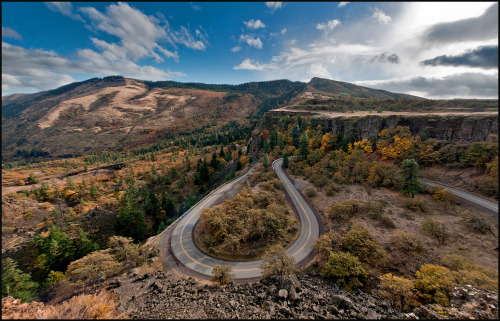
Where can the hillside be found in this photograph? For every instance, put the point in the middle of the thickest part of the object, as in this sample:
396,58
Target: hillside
114,113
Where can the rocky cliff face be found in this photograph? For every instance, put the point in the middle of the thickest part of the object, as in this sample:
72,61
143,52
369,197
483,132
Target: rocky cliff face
469,127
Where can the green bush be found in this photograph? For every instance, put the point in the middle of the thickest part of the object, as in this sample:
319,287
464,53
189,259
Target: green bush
277,263
310,192
359,242
346,269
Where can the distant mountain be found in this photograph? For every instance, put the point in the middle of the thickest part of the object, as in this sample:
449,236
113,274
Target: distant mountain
113,113
320,85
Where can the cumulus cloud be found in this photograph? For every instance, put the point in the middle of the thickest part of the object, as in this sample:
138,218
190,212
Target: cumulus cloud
342,4
236,49
485,57
254,24
484,27
252,41
36,69
329,25
66,8
141,36
381,17
464,85
249,64
274,5
11,33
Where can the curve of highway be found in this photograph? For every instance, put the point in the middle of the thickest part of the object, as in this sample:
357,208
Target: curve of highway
481,201
190,256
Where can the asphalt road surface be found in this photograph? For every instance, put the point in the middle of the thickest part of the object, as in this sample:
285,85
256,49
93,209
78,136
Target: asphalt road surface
481,201
189,255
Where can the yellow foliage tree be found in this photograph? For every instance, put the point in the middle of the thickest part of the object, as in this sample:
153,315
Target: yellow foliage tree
398,290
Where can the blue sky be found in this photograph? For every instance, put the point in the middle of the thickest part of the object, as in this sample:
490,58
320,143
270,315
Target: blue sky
429,49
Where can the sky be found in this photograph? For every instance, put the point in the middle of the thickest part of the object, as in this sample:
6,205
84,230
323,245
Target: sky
436,50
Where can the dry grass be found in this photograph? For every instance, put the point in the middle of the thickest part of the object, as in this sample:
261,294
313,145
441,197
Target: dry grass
103,305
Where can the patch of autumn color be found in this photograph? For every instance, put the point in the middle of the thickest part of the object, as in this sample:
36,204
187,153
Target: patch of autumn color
327,141
264,134
397,148
365,145
244,160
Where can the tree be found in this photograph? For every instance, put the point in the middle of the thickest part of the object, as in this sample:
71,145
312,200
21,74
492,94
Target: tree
285,160
304,145
277,263
16,283
265,161
409,174
222,274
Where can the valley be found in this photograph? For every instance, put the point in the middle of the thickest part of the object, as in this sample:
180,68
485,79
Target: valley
128,177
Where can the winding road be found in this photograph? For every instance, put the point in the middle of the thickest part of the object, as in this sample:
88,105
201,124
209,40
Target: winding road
481,201
189,255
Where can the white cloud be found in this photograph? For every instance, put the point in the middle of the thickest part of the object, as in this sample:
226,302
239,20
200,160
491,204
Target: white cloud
251,41
254,24
37,69
283,31
66,8
140,35
194,6
329,25
248,64
318,70
274,5
11,33
342,4
236,49
381,17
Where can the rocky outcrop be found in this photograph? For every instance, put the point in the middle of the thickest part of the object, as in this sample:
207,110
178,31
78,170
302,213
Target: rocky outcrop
162,295
470,127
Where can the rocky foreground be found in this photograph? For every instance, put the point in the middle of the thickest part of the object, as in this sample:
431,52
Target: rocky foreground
160,295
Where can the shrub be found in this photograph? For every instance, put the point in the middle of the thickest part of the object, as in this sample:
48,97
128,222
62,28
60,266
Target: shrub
332,188
343,211
222,274
445,196
88,306
407,242
346,269
310,192
466,272
327,243
359,242
399,291
277,263
55,277
434,283
21,183
416,205
436,230
95,266
124,250
387,222
477,224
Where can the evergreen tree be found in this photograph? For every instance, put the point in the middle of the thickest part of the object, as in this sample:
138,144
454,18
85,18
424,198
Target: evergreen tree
409,173
304,146
265,161
16,283
295,135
